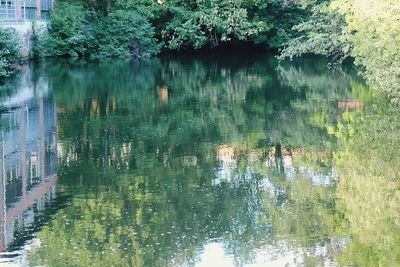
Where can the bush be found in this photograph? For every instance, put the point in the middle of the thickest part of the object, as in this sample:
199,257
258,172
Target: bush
125,34
70,32
9,52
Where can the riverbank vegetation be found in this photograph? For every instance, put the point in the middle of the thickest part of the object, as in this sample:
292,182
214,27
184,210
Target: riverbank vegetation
177,25
179,152
9,52
367,31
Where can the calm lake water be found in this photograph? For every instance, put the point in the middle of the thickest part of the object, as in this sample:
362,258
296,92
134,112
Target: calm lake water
193,161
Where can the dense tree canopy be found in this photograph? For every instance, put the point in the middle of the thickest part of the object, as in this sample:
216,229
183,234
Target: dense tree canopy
132,28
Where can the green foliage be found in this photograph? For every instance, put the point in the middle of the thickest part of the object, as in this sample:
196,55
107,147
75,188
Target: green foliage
77,32
9,52
124,34
180,24
39,40
203,23
321,34
148,8
367,30
374,26
71,31
282,16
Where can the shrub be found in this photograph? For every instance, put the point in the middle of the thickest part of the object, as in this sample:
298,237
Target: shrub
9,52
70,32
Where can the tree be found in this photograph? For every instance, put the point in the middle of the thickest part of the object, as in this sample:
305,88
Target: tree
321,34
208,23
374,28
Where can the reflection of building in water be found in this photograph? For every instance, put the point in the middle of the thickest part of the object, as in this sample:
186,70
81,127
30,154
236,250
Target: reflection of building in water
350,105
163,93
28,165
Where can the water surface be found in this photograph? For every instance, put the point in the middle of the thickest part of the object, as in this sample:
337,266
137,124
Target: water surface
192,161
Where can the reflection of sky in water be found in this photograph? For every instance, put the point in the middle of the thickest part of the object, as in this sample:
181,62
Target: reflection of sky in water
291,172
26,90
278,255
226,172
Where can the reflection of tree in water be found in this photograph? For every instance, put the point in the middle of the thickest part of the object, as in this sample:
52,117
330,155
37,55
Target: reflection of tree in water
368,186
162,158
